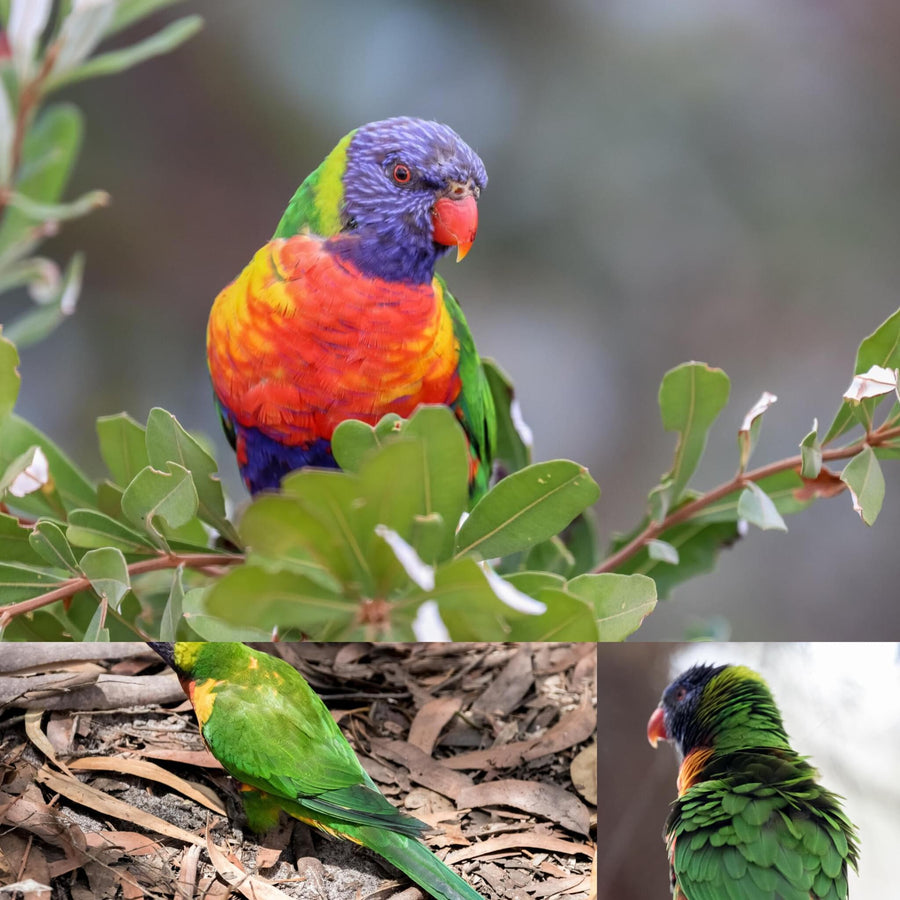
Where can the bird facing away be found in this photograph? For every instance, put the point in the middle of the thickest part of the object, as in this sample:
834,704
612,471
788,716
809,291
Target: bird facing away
341,316
751,821
269,730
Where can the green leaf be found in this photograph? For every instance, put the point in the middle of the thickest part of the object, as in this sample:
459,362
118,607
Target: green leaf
58,212
211,628
168,441
73,487
445,461
467,604
620,602
311,522
173,611
108,573
756,506
811,453
49,152
691,397
95,631
9,377
47,539
352,441
128,12
90,528
279,599
514,439
866,482
550,556
662,551
568,618
532,583
881,348
527,507
786,489
698,545
115,61
35,324
392,492
123,446
21,582
157,501
582,539
15,544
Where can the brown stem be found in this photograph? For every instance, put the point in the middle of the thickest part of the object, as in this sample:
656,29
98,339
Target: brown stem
741,480
29,98
72,586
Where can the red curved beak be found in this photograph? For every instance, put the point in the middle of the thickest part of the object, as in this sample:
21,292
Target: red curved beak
656,727
455,223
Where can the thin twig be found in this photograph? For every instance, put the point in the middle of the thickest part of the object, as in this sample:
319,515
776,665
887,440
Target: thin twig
72,586
741,480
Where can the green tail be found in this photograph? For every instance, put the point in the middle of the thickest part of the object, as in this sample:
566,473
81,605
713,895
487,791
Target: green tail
417,862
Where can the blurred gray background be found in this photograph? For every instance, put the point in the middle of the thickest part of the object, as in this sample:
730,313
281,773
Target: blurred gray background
841,707
712,180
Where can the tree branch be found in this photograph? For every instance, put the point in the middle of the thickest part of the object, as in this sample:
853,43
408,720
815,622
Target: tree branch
72,586
741,480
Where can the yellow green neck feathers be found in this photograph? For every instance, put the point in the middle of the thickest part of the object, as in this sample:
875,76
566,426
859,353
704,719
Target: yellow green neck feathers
317,205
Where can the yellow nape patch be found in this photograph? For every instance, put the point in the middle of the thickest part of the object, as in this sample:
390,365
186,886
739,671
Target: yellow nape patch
329,187
203,698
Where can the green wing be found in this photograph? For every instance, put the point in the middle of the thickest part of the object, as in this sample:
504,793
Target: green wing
475,405
769,833
272,732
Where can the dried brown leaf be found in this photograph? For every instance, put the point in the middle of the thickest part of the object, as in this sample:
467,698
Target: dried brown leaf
826,484
200,758
110,806
430,721
573,728
548,800
584,773
39,739
505,844
185,886
422,768
152,772
509,688
231,871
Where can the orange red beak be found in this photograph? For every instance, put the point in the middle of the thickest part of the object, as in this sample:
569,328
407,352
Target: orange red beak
455,223
656,727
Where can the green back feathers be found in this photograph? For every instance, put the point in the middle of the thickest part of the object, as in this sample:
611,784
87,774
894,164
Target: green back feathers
475,403
754,823
317,204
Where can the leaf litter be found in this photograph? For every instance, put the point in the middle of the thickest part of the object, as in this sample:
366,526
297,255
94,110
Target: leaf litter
106,789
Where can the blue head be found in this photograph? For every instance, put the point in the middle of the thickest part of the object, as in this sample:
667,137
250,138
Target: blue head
397,171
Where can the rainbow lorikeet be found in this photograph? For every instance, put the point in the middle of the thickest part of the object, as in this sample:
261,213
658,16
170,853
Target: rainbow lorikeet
751,821
340,315
269,729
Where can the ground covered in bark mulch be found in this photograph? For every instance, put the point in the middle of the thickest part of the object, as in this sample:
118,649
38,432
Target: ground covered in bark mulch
106,789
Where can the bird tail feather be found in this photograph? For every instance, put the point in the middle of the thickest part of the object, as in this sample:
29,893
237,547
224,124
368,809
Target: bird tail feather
420,865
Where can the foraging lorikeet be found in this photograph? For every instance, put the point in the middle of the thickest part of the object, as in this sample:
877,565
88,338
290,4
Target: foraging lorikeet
269,729
340,316
751,821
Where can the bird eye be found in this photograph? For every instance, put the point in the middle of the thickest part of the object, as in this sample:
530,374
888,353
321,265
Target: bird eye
401,174
680,694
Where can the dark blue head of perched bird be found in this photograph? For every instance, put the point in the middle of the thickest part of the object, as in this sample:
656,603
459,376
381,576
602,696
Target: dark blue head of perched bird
410,192
725,707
